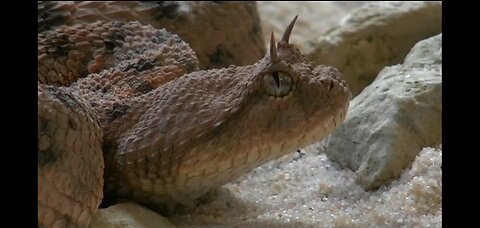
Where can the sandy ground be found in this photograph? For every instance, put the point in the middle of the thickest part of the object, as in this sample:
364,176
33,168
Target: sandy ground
306,189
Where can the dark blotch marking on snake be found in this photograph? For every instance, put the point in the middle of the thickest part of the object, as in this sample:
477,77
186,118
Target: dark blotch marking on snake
46,157
117,111
65,98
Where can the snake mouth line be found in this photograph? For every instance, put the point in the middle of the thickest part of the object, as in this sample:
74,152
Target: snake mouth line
244,161
320,131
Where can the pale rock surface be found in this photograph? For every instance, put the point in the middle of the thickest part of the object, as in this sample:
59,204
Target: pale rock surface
375,35
314,18
393,118
128,215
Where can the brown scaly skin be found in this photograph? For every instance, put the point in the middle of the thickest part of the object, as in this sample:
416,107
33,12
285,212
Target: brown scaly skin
220,33
70,160
122,60
172,133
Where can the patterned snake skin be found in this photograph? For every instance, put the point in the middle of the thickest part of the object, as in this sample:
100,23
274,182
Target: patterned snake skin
124,111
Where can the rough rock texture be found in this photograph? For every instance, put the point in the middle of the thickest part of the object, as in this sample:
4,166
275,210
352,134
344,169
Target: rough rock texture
128,215
220,33
307,189
376,35
393,118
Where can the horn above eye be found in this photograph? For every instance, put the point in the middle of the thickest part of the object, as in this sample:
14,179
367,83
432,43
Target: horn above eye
288,31
277,84
273,49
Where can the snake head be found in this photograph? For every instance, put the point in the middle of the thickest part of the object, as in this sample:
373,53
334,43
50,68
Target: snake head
252,114
256,113
297,101
206,128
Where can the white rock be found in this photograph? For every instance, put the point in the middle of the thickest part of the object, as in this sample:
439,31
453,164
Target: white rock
393,118
128,215
314,18
375,35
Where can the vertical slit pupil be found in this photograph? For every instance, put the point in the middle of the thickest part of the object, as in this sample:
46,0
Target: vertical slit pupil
277,79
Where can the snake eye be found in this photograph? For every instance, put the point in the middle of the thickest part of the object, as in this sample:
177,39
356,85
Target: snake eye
277,84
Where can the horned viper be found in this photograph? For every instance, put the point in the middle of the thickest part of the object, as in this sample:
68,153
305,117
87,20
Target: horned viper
146,124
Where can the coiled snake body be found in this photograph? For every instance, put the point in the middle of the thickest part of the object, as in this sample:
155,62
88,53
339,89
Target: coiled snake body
144,123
